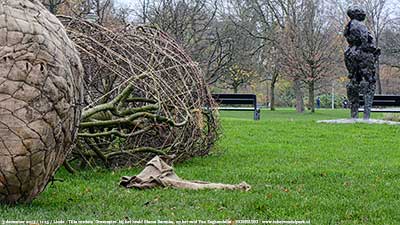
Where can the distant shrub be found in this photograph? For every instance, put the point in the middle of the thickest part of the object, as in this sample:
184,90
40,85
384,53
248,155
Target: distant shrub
326,100
392,117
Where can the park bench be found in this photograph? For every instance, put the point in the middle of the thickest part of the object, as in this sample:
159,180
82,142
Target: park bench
383,101
238,99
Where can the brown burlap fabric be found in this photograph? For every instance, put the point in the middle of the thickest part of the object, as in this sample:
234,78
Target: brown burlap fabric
158,173
41,93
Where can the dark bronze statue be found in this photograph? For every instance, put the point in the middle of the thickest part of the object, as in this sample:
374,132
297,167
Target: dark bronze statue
361,57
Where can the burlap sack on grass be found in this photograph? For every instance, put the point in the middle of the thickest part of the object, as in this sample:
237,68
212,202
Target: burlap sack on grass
158,173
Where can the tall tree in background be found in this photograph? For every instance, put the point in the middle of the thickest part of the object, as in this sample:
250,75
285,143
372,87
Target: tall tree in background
256,18
288,16
391,45
378,12
194,25
298,30
309,47
272,67
102,9
242,68
298,42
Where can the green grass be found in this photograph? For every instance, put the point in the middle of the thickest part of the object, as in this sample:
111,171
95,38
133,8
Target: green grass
298,169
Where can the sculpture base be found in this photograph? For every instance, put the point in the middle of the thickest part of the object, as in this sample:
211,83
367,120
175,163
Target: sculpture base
352,121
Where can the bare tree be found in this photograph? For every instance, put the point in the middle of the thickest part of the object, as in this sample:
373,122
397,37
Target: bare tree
270,57
258,20
122,13
391,45
144,8
379,13
308,47
102,9
195,26
298,31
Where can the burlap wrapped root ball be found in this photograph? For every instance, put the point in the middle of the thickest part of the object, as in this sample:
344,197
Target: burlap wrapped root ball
150,98
40,96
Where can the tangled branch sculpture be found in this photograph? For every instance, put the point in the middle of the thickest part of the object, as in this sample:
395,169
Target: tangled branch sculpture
144,97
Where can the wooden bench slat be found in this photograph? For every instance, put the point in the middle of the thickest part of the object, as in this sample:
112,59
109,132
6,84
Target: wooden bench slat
383,100
235,109
238,99
383,110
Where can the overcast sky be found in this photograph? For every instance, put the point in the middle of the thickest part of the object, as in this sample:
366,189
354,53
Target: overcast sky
129,2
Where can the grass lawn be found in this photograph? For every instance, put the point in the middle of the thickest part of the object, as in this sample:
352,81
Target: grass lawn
298,169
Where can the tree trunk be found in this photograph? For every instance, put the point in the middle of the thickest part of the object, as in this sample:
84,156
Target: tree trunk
299,96
235,89
311,96
377,75
273,82
378,78
272,96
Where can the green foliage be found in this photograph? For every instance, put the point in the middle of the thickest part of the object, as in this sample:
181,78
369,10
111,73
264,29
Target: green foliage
298,169
236,76
285,96
326,100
